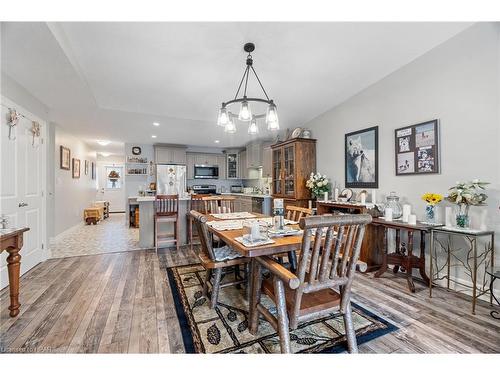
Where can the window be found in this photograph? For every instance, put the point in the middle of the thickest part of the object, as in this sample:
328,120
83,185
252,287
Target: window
114,177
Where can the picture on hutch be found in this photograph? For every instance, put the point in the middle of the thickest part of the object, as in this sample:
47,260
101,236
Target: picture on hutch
417,149
361,158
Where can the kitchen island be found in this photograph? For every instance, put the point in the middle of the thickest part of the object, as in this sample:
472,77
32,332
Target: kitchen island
147,223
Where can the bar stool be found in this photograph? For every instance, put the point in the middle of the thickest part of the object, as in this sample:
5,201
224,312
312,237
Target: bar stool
166,211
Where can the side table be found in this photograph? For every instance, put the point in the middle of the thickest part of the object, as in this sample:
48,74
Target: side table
494,273
471,236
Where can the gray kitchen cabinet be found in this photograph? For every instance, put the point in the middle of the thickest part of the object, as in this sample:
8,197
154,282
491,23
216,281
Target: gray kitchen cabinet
190,158
243,164
170,155
254,155
232,164
206,159
221,162
267,162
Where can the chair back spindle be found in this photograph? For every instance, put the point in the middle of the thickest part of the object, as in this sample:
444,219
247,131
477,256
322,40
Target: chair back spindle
166,205
296,213
200,221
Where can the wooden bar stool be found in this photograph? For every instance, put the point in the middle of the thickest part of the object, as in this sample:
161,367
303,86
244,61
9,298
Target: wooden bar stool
166,211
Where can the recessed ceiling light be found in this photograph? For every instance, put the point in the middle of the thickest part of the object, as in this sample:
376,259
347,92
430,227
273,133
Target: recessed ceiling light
156,123
103,142
105,154
216,141
153,136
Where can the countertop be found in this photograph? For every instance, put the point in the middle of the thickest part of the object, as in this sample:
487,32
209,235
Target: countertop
253,195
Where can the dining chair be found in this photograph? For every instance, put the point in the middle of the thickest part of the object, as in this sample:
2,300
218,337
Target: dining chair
196,203
166,211
296,213
217,261
322,284
219,204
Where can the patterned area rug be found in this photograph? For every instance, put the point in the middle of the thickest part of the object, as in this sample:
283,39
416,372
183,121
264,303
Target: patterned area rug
225,328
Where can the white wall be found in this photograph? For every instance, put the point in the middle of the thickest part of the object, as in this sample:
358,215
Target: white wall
72,195
458,83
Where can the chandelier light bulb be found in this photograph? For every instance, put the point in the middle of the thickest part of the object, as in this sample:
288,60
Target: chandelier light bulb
223,118
230,127
245,113
272,117
253,128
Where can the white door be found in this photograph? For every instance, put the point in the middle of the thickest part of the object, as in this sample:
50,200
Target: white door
22,171
111,189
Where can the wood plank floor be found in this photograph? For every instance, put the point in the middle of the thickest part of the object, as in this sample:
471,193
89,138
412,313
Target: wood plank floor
121,302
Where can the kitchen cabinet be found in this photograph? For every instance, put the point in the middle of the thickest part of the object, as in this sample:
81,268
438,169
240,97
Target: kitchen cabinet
221,162
232,164
243,164
254,155
170,155
292,163
267,162
242,203
206,159
190,162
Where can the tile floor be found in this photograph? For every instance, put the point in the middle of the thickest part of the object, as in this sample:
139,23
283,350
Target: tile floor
109,236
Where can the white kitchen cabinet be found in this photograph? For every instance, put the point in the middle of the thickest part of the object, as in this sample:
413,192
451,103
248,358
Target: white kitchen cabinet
254,155
170,155
221,163
206,159
243,164
190,162
232,164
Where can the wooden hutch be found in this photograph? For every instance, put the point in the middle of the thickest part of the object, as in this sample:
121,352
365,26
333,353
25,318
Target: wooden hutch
293,162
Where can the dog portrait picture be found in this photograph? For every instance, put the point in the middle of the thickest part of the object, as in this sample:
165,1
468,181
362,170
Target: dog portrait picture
361,158
425,135
406,162
404,144
425,159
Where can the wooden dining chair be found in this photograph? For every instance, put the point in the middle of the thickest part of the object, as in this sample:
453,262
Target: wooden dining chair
322,284
219,204
166,211
296,213
196,203
217,262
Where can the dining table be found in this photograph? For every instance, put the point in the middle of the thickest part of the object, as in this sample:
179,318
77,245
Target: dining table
280,245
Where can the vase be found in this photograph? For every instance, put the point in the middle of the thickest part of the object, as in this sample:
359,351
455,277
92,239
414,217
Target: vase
462,215
430,213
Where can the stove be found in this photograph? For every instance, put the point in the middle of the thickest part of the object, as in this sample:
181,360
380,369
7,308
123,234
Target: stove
204,189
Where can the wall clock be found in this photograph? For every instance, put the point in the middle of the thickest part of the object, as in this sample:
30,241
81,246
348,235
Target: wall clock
136,150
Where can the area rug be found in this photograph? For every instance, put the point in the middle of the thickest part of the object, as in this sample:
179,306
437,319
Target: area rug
225,328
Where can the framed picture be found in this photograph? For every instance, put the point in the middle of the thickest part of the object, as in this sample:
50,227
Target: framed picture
361,158
417,149
76,168
92,170
65,158
86,167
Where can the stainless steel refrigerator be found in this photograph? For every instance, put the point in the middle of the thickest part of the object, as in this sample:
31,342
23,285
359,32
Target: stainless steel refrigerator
171,179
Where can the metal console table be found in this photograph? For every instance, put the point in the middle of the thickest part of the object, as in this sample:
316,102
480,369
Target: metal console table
471,237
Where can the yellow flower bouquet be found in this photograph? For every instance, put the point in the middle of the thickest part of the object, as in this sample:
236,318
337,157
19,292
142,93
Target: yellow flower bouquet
432,198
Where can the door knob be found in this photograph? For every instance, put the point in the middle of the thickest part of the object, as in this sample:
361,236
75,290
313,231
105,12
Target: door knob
22,204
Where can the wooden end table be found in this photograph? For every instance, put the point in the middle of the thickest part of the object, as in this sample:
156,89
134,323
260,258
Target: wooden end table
11,240
403,256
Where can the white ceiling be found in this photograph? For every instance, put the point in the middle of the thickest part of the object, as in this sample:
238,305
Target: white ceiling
112,80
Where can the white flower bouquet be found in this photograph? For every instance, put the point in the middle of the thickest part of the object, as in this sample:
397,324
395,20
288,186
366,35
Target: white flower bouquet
318,184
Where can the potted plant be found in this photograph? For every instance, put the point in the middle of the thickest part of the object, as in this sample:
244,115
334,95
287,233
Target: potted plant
464,195
318,184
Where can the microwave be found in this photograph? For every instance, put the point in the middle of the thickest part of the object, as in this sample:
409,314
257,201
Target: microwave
206,171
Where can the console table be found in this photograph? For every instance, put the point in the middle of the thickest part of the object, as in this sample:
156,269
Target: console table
368,252
11,240
471,236
403,256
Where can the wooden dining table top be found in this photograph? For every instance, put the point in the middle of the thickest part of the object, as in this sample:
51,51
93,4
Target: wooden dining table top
280,245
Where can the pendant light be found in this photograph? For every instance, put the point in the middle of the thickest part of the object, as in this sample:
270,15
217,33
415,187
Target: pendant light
226,117
253,128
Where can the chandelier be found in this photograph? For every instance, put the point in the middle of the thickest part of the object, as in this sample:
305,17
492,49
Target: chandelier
227,118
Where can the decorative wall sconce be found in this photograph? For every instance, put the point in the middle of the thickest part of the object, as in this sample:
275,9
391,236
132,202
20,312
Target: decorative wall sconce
35,131
14,117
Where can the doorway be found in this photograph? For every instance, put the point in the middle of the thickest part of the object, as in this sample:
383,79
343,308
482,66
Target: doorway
110,180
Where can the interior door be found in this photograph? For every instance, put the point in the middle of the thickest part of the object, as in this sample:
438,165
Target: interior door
22,171
111,188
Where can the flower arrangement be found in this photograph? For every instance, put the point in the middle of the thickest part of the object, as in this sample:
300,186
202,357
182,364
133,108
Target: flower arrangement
432,198
113,175
465,194
318,184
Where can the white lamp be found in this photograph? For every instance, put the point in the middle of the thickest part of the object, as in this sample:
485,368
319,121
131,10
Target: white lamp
230,127
245,112
253,128
223,117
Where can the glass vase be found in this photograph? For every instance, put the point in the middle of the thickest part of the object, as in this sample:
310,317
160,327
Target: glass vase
430,213
462,215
